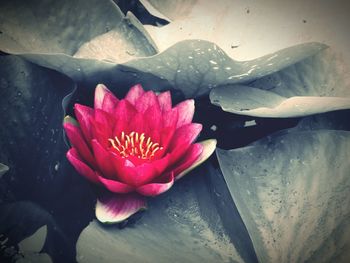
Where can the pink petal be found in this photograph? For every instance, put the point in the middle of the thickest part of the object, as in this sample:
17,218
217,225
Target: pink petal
170,118
186,111
109,102
103,160
157,188
185,135
102,135
80,166
182,140
115,186
76,139
83,114
153,118
124,112
188,159
123,168
147,172
134,94
100,92
208,149
148,99
105,121
115,208
164,100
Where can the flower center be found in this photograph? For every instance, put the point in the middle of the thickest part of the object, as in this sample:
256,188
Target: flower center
135,144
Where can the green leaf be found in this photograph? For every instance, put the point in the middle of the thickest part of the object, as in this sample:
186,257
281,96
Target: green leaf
246,31
35,242
292,191
182,225
194,67
65,26
3,169
314,85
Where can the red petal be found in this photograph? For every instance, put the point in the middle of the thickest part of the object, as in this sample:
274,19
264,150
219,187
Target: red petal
76,139
115,208
80,166
147,172
148,99
164,100
103,160
100,93
138,124
109,102
123,168
188,159
186,111
134,94
83,114
115,186
105,121
170,118
182,140
153,118
157,188
124,112
99,133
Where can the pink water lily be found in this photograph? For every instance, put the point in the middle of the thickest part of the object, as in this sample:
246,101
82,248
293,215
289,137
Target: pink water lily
134,147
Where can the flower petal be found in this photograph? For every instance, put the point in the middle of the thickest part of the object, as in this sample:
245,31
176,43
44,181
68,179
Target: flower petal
76,139
153,118
157,188
124,112
164,100
109,102
208,149
134,94
103,160
123,168
147,172
186,111
80,166
148,99
115,186
105,121
191,155
100,92
115,208
83,114
182,140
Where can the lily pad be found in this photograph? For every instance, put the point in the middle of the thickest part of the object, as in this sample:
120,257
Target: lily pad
314,85
246,31
292,193
124,51
194,67
3,169
182,225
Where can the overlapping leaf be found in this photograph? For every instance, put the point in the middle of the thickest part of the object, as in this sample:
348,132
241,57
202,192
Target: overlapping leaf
315,85
292,193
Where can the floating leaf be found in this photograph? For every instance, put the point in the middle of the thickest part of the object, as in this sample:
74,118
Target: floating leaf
35,242
292,193
246,31
314,85
174,229
3,169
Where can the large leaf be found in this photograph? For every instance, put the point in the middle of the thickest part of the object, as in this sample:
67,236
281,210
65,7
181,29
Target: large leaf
68,27
193,67
249,30
32,145
182,225
292,193
315,85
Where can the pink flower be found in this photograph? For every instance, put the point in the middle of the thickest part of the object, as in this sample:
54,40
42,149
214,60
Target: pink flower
134,147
